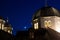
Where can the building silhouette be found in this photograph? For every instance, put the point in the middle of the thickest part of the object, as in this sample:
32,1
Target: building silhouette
5,30
44,21
46,17
5,26
45,26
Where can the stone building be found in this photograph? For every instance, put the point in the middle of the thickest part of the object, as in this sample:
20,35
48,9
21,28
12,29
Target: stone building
45,24
5,26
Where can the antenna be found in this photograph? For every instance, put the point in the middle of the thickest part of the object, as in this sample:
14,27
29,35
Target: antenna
46,4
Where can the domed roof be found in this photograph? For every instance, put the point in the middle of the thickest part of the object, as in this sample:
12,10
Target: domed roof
46,11
1,17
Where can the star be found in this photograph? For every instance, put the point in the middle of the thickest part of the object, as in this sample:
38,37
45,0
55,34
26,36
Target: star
25,27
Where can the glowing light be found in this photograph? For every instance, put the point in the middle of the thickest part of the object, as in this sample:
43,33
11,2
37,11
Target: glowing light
0,25
25,27
47,23
58,29
36,25
9,31
57,26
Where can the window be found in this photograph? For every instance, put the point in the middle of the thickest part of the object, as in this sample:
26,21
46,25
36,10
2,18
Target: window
8,31
36,25
0,25
47,23
5,29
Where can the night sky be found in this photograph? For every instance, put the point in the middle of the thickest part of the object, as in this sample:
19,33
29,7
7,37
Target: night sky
20,12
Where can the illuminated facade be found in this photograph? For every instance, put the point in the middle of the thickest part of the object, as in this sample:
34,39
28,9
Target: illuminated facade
5,26
47,17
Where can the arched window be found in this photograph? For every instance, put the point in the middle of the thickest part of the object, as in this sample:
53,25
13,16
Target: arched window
36,25
0,25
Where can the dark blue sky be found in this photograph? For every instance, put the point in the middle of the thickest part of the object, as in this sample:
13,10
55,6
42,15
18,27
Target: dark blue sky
19,12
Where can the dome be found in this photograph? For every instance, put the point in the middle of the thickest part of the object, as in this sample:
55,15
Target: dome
1,17
46,11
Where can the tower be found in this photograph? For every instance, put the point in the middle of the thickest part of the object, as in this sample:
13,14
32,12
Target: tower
46,17
2,22
5,26
8,28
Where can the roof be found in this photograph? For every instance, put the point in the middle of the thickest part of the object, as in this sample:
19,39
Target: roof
1,17
46,11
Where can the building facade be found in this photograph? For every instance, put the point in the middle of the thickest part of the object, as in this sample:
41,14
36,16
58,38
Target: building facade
47,17
5,26
45,24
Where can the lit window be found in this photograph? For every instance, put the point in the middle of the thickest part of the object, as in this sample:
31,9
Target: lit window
5,29
36,25
0,25
8,31
47,23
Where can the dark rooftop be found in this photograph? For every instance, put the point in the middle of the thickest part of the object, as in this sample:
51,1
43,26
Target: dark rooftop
1,17
46,11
